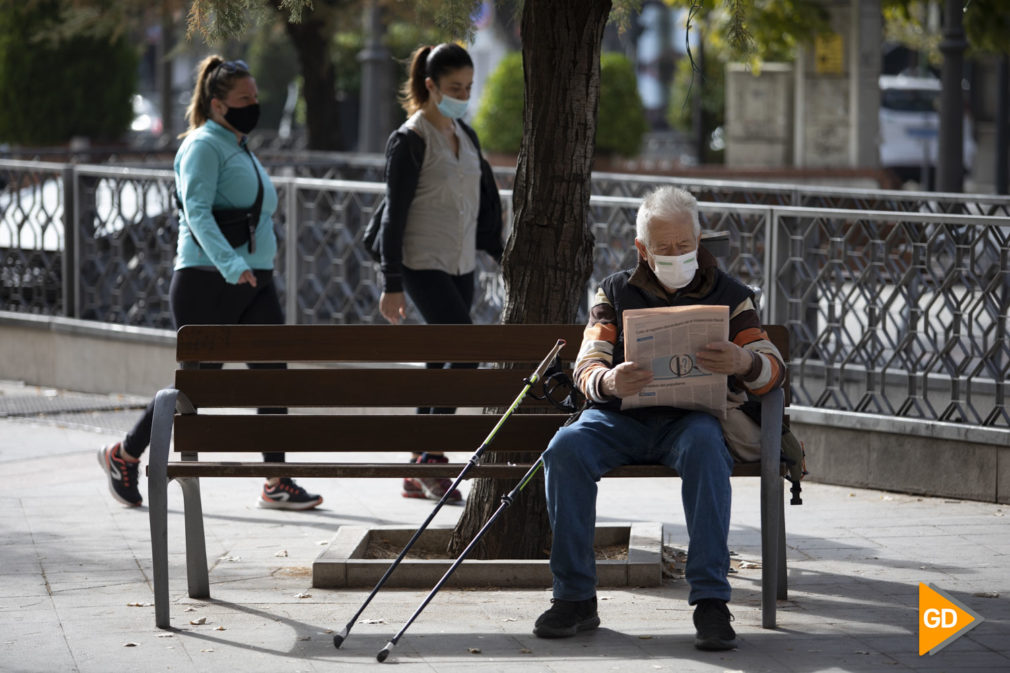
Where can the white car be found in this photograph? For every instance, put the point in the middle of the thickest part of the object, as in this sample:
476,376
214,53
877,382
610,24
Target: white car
910,126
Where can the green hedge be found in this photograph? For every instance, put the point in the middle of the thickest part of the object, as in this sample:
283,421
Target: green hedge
620,123
50,92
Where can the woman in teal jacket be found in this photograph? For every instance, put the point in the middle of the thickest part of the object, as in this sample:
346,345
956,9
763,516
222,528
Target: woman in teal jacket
225,257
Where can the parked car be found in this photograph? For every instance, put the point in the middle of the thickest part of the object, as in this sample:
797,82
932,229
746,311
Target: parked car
146,117
910,127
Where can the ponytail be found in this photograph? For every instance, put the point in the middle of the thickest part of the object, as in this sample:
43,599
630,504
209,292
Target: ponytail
413,93
211,84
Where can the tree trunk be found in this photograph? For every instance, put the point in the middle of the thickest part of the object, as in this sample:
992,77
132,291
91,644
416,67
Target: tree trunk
311,41
549,257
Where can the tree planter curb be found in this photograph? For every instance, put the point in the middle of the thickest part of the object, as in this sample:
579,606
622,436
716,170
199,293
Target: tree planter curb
343,563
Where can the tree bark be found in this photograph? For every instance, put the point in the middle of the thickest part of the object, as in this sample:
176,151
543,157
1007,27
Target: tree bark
549,257
311,41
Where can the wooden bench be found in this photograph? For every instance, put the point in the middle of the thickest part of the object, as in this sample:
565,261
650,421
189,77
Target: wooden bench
362,366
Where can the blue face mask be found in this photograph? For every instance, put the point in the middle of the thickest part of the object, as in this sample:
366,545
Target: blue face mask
453,108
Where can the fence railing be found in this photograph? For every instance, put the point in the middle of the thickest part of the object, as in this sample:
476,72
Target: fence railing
890,312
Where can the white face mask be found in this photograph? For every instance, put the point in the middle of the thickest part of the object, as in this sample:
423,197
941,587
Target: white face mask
675,271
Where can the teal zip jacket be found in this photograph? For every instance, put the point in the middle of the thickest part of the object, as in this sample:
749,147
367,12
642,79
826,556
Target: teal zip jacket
213,171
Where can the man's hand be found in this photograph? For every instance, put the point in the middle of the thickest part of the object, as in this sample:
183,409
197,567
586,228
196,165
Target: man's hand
393,307
247,277
625,379
724,357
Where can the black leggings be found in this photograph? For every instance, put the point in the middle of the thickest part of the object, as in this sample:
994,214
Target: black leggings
203,297
442,299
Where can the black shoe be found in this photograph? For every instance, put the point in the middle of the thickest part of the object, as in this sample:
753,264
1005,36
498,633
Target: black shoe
286,494
122,475
566,618
711,620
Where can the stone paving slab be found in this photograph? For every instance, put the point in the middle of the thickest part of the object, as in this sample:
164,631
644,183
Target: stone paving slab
72,561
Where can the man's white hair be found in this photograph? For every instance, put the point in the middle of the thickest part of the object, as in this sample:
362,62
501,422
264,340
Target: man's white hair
666,203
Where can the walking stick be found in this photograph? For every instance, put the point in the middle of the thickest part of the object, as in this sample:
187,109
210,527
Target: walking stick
506,501
338,639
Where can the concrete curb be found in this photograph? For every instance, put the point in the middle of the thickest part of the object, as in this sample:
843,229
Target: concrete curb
343,563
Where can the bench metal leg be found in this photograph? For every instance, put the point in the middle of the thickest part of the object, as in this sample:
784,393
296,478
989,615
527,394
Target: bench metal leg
157,500
783,580
196,546
771,503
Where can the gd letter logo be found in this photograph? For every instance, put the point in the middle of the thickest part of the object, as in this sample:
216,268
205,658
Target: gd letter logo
942,619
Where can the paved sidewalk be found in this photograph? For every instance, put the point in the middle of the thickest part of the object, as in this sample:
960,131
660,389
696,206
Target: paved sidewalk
75,592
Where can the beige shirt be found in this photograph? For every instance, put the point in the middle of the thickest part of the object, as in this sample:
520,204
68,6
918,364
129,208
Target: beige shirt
441,230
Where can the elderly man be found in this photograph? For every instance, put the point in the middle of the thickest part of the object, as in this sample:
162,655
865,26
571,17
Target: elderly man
672,271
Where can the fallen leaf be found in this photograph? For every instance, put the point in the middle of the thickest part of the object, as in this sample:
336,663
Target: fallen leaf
230,558
323,542
209,649
525,651
645,637
190,610
986,594
509,619
304,637
220,628
372,621
303,595
138,604
164,635
198,621
474,650
131,644
861,652
283,553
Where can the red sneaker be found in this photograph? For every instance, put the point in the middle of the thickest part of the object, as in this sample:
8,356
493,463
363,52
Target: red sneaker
432,489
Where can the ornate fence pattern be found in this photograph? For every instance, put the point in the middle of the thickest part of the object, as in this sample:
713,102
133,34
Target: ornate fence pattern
896,313
901,311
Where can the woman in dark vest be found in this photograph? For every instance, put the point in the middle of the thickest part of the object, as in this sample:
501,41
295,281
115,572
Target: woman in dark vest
429,235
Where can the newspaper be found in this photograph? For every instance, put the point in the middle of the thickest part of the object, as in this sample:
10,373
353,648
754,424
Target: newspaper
667,339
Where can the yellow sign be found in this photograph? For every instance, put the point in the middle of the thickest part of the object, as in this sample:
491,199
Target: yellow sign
829,54
942,619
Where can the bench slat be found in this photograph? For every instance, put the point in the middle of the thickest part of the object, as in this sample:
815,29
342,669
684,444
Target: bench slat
202,433
387,470
352,387
373,343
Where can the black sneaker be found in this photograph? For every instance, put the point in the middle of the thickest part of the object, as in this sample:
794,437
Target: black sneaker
711,620
286,494
122,475
566,618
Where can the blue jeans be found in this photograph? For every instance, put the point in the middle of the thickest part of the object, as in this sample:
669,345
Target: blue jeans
601,440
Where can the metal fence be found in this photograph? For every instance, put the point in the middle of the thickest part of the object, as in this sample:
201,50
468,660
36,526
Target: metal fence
890,312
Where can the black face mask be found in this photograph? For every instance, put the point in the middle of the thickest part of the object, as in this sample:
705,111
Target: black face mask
243,119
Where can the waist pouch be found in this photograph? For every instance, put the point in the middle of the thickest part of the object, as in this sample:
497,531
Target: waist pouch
238,225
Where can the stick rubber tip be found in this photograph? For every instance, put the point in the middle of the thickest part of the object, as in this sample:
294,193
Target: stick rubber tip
338,640
382,655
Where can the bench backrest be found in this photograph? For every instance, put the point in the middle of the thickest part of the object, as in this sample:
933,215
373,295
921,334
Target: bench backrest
368,370
362,384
